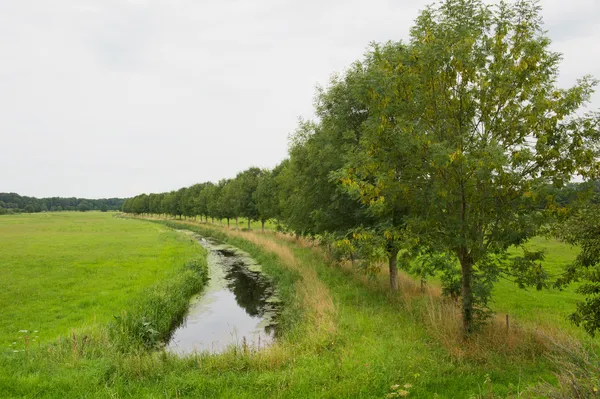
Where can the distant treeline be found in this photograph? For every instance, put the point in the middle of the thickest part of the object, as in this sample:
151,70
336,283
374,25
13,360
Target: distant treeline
15,203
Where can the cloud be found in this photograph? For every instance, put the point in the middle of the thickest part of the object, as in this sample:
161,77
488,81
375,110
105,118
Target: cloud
112,97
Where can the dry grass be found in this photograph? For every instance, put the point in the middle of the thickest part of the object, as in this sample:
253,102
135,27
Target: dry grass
300,241
442,317
578,370
314,295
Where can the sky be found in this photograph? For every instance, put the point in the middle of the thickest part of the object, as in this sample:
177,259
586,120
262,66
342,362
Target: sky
113,98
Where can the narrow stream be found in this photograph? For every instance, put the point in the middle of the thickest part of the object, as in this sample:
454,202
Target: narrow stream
238,306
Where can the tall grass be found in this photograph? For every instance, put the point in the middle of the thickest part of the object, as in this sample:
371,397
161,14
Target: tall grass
161,308
578,371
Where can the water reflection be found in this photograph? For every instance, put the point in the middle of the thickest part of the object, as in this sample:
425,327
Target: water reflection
237,305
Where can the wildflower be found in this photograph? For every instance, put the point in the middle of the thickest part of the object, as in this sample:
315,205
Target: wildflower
22,331
394,387
407,386
402,392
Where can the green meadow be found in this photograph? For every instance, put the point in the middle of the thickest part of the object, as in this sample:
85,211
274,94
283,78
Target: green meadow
343,334
62,271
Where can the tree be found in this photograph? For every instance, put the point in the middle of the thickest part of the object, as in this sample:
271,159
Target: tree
155,203
212,193
266,197
202,199
246,183
188,200
175,203
313,202
472,114
104,208
224,204
346,108
169,203
84,206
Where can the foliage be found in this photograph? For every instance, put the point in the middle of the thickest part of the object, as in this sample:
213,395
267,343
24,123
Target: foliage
266,196
14,203
583,229
472,125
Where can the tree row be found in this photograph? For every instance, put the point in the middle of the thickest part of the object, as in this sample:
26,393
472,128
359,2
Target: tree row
437,155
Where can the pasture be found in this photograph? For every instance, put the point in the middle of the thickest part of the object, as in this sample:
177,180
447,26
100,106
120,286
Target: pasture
63,271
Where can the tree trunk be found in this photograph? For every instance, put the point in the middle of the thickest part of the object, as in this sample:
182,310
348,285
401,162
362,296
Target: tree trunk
236,223
248,223
466,265
227,222
393,258
263,225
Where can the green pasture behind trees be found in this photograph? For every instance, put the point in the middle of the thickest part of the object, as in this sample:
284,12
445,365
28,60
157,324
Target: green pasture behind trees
67,270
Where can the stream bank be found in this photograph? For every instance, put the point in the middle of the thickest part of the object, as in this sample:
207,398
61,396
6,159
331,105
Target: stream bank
238,307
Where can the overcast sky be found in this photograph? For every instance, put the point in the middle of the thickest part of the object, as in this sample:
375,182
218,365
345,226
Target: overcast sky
110,98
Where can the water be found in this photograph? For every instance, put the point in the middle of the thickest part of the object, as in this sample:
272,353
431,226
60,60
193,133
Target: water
239,305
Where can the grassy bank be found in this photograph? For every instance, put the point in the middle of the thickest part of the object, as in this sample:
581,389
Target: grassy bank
343,336
375,341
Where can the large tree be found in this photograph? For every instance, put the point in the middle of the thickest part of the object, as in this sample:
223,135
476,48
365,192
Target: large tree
347,107
474,124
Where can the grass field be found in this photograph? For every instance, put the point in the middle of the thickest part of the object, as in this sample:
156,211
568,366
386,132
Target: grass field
344,335
548,306
66,270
